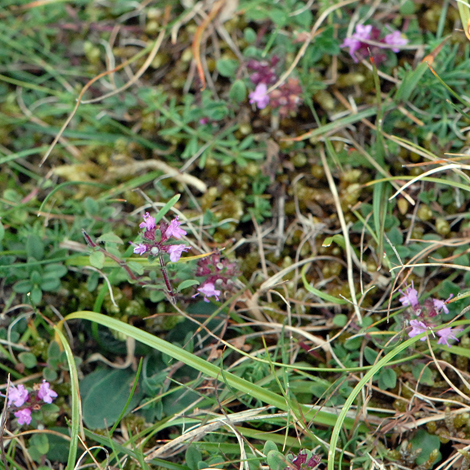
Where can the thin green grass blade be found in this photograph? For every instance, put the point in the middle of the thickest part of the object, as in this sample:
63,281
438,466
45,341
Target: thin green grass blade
450,90
386,360
412,79
136,381
410,82
380,205
76,402
211,370
166,208
357,389
318,293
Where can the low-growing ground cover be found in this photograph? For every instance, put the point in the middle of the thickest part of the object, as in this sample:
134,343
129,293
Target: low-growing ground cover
234,234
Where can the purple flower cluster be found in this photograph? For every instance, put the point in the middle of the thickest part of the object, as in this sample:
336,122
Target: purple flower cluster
430,309
24,403
305,460
360,49
286,98
218,273
264,71
155,238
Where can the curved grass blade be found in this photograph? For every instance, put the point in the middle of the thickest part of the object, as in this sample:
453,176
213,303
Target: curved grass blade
76,402
237,383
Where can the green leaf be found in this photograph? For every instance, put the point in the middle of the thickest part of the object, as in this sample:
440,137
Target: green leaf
216,111
2,231
50,285
49,374
387,379
104,394
23,287
427,443
91,206
187,283
338,239
28,359
58,447
53,351
58,270
250,35
353,344
276,460
36,295
269,446
136,267
193,457
35,277
41,442
227,67
97,259
340,320
370,355
237,91
424,377
110,237
34,247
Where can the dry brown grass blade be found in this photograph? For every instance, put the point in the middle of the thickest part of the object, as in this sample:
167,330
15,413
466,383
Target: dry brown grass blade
197,40
344,228
170,172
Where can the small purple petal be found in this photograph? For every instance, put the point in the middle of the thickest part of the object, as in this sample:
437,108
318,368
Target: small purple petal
208,290
45,393
175,252
139,249
17,395
148,223
395,39
174,230
418,327
260,96
24,416
447,334
441,304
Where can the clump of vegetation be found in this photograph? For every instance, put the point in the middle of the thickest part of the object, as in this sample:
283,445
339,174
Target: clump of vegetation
234,234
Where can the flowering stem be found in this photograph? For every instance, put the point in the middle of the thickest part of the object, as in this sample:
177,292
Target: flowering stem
171,292
121,262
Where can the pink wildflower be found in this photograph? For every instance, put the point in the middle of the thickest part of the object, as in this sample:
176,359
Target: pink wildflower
355,42
17,395
418,327
208,290
410,297
438,304
24,416
45,393
446,334
174,230
260,96
139,249
395,39
148,223
175,252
